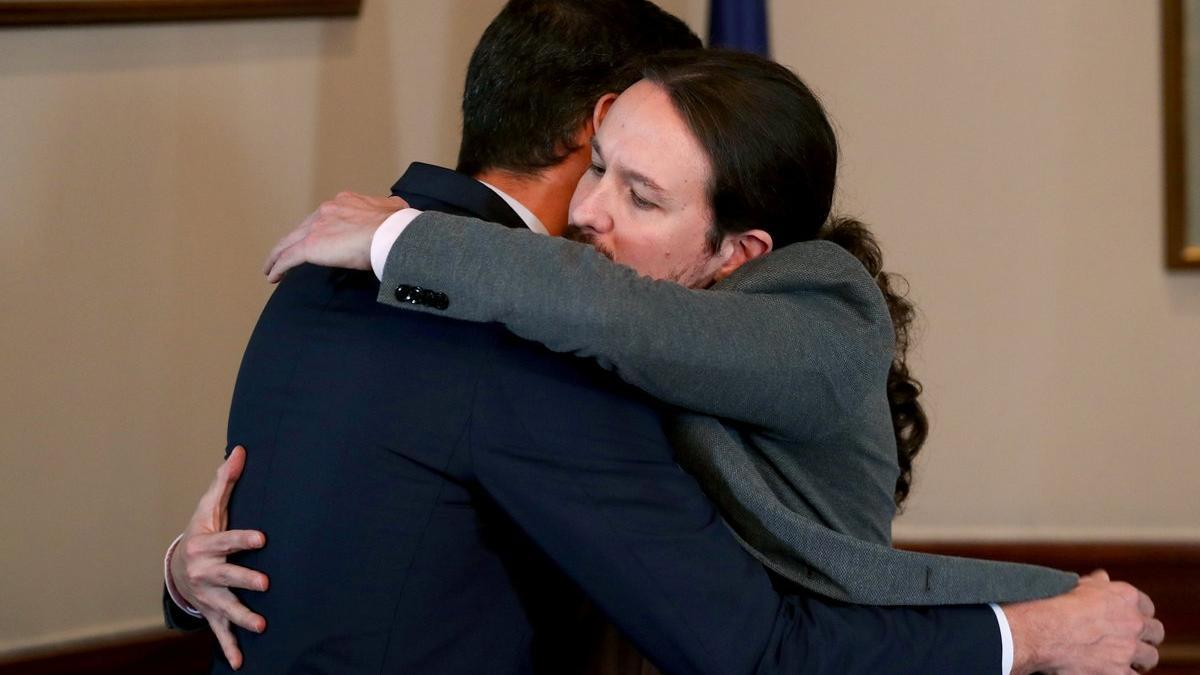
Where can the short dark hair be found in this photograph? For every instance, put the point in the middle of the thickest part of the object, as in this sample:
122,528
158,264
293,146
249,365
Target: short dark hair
539,69
773,156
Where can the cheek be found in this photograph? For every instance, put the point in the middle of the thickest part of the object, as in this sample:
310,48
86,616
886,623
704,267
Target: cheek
634,246
656,249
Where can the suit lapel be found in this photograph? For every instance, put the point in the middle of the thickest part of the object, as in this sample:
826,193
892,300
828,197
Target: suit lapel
433,188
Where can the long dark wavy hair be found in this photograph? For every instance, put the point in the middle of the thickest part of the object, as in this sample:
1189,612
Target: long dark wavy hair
774,162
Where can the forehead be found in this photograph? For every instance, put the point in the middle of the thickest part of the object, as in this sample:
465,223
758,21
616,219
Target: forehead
645,133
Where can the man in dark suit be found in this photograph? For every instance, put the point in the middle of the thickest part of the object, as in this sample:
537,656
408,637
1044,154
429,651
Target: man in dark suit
415,474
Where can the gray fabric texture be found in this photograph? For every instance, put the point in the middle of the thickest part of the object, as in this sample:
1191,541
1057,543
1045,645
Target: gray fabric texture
779,373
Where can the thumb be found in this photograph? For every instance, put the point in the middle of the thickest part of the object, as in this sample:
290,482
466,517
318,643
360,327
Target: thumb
232,471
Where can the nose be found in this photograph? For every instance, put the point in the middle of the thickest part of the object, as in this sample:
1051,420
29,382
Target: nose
590,206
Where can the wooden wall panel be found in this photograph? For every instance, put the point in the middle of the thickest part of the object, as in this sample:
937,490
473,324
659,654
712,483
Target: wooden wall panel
122,11
1168,572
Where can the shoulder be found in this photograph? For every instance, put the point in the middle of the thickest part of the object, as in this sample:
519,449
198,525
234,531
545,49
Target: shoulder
825,322
821,282
805,265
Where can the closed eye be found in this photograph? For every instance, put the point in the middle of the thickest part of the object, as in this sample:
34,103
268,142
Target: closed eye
639,202
597,169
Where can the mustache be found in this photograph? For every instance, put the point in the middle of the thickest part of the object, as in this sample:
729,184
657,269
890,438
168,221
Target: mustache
582,235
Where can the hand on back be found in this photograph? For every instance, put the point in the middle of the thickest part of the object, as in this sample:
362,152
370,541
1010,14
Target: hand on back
199,571
337,234
1102,627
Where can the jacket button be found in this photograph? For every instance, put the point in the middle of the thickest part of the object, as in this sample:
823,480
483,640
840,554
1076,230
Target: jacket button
415,295
406,293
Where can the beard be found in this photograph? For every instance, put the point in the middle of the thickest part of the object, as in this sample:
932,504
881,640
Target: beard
574,232
692,275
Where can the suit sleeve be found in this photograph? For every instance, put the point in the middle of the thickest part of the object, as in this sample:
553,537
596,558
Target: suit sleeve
589,476
176,618
783,350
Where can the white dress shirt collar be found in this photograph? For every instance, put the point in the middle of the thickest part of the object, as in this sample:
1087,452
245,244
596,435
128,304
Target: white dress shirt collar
531,221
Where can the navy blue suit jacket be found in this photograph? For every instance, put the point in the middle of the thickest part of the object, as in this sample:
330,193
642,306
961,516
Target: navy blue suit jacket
414,476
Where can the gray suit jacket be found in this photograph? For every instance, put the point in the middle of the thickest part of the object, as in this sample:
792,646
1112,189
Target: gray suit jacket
779,372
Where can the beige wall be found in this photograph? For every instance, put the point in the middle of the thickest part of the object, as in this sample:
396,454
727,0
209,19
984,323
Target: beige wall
146,171
1008,154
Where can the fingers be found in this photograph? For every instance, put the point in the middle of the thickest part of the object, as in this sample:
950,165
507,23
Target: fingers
1145,605
1144,658
236,576
337,234
239,614
211,501
233,467
1098,575
220,606
231,609
1153,632
209,515
228,642
292,237
221,544
397,201
290,257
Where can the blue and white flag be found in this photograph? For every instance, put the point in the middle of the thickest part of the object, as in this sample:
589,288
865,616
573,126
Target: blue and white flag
739,24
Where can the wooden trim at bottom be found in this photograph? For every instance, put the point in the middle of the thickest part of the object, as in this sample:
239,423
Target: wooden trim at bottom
126,11
1168,572
152,653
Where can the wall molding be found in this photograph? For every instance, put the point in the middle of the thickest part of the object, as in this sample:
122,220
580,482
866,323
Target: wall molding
1168,571
1043,534
126,11
150,653
131,629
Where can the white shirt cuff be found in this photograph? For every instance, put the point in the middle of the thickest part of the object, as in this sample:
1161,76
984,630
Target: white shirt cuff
1006,641
171,590
386,236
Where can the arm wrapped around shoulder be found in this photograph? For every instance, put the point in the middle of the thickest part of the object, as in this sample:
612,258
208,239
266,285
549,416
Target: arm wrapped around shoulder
786,340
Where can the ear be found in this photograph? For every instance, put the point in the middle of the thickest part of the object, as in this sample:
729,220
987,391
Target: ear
602,107
741,248
583,138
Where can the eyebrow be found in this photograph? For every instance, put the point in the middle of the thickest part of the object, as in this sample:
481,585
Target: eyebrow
630,174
